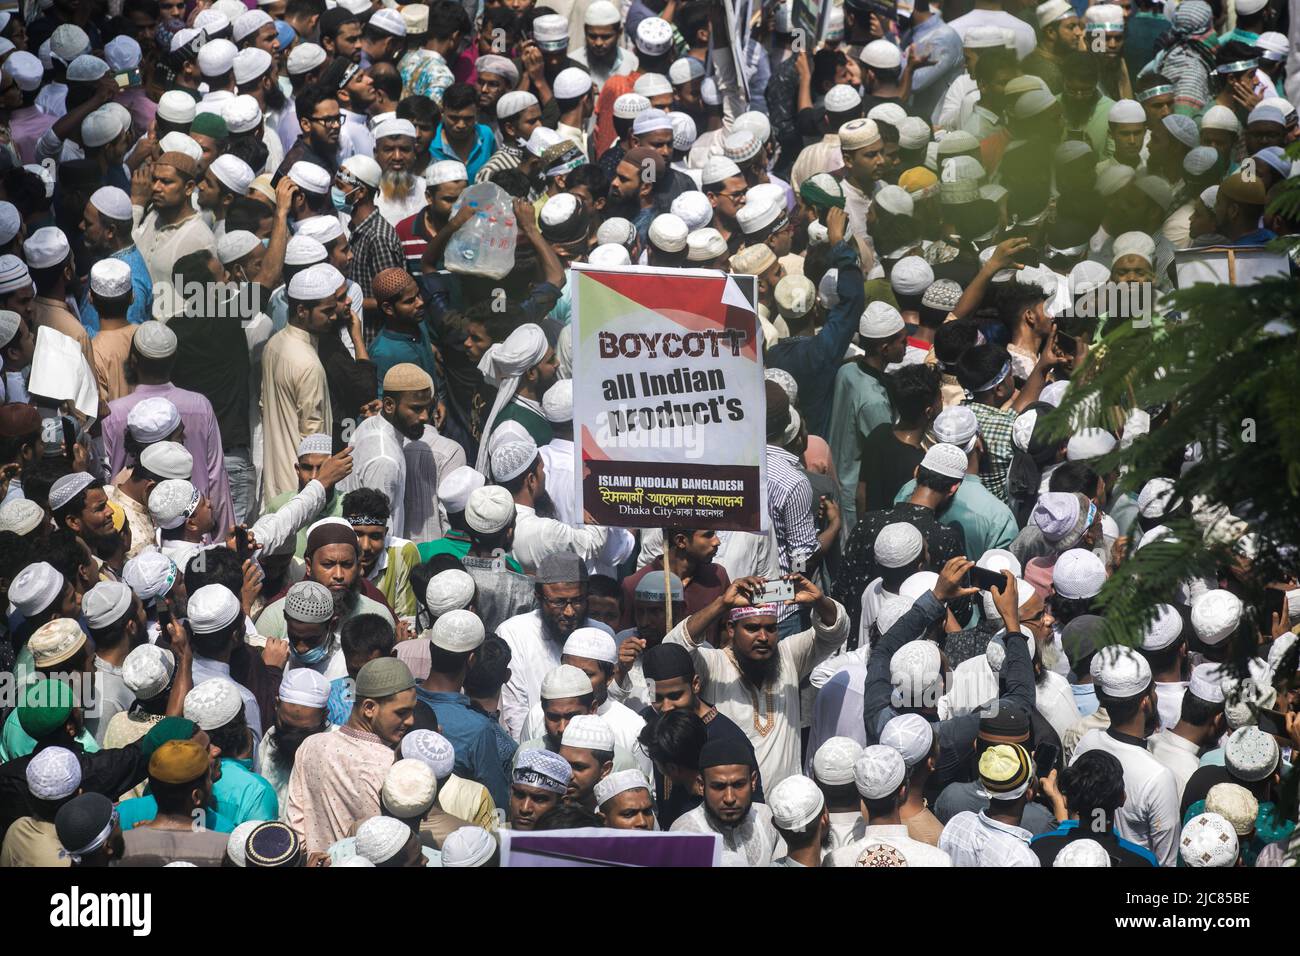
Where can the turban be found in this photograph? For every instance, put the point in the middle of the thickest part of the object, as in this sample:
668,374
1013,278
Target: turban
503,365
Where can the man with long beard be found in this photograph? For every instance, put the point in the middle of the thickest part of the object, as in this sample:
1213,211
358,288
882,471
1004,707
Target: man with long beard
299,713
401,192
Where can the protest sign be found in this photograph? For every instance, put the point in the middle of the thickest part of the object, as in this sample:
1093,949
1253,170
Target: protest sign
591,846
669,408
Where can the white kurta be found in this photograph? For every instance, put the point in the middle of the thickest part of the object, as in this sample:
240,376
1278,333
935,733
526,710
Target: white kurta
914,851
532,654
536,537
378,462
1179,754
1150,815
723,686
754,842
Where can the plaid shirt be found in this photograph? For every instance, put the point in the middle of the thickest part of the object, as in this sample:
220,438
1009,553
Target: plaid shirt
375,247
995,428
972,839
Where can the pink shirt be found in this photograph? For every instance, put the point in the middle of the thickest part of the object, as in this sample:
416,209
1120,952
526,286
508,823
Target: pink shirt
26,126
335,785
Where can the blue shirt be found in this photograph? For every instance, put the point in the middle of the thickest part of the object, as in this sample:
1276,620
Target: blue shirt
393,348
1069,825
241,795
475,740
137,810
339,706
809,357
484,145
141,308
942,44
986,520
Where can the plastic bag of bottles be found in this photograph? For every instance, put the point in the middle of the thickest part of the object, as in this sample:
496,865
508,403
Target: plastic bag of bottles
485,245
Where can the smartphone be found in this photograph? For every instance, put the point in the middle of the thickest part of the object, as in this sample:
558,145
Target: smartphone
241,544
1045,755
986,580
127,78
1274,600
164,625
1272,722
69,438
775,592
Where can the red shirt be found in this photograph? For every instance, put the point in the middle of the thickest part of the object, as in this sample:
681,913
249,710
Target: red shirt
708,583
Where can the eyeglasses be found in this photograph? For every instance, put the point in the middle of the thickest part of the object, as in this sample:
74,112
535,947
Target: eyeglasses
738,194
559,604
335,120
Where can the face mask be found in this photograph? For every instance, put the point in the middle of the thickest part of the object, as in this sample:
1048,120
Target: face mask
340,200
313,656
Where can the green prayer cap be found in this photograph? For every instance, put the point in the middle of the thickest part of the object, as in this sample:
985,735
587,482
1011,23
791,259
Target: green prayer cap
383,677
169,728
45,705
822,190
210,124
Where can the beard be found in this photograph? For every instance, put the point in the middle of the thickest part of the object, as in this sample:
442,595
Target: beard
397,185
287,742
347,604
275,98
759,672
545,505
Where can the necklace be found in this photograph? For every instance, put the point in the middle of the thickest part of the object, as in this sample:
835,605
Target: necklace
765,726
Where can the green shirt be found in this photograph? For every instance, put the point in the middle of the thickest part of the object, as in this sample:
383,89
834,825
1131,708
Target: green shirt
333,509
241,795
533,423
456,543
985,520
16,742
859,403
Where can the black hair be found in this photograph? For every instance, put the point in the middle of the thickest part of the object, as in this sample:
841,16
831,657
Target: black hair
251,149
1079,65
65,553
1095,781
366,634
46,279
218,565
490,670
691,19
366,501
992,62
1074,477
825,64
231,738
1164,658
447,18
38,479
304,8
912,390
954,339
568,816
1066,609
10,448
1014,298
512,181
601,585
676,737
15,554
517,482
979,364
309,99
591,176
25,189
442,661
925,478
386,80
418,109
1122,709
458,96
425,718
332,21
246,213
216,642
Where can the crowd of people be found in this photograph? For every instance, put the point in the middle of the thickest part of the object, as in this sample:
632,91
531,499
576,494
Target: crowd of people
291,545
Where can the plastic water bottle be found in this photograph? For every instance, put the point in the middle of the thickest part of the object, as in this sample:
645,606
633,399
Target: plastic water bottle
485,245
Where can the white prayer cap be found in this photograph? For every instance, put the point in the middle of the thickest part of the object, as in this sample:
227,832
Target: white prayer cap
1155,498
352,861
66,487
26,70
858,133
175,142
591,643
607,788
445,171
1109,15
1199,160
215,702
56,641
913,133
957,426
1081,852
21,516
105,603
795,296
740,146
409,789
541,139
1250,754
947,460
985,38
834,760
609,254
796,802
882,55
1206,683
514,103
616,230
572,83
1114,178
880,321
630,105
316,444
1215,616
914,673
1089,444
1078,574
911,275
474,846
211,21
390,22
313,178
249,65
684,70
898,545
588,732
304,57
86,69
718,169
458,631
490,508
217,57
46,247
684,131
602,13
650,120
237,843
512,459
1235,804
891,114
10,220
147,670
454,490
212,608
1220,118
911,735
394,127
758,214
565,681
153,339
380,839
1208,840
654,36
1164,630
323,229
174,106
236,174
112,202
246,24
1053,10
110,278
705,245
53,774
557,403
842,98
449,590
154,418
433,749
305,687
103,126
917,584
879,772
668,233
315,283
308,602
303,251
1123,672
1126,111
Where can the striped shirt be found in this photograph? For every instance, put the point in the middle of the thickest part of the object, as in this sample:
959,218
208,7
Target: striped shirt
507,157
375,247
790,506
972,839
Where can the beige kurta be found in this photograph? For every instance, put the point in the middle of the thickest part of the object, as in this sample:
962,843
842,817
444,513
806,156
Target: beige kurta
335,785
56,314
295,403
32,842
162,245
111,348
778,701
137,517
